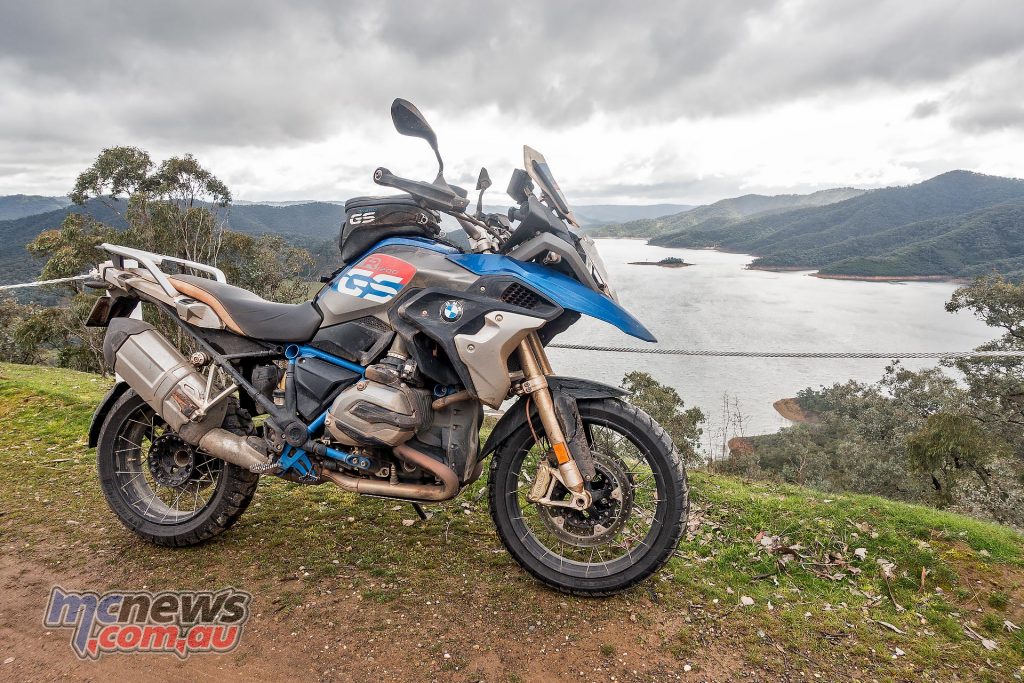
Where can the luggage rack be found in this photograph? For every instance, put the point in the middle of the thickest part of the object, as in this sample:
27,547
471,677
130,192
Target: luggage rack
151,262
139,270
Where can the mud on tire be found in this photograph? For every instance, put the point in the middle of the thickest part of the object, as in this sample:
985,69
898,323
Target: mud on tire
143,469
562,565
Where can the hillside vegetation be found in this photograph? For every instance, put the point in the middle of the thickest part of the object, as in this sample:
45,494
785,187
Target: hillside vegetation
306,225
958,224
771,581
723,212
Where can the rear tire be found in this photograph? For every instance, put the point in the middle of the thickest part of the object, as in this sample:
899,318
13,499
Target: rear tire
150,479
559,547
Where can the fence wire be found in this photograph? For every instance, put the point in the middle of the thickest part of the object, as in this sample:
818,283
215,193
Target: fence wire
40,283
790,354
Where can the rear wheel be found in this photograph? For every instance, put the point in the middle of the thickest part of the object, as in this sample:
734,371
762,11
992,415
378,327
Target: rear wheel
165,490
640,503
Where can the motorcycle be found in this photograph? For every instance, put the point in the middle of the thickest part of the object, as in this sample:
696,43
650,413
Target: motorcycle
378,384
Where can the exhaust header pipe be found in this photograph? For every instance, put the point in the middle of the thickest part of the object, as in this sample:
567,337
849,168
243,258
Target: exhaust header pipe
164,379
447,489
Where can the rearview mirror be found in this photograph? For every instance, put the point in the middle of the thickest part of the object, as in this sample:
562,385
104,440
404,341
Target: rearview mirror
409,121
483,181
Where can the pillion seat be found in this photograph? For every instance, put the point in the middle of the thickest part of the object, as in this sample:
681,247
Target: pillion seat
250,315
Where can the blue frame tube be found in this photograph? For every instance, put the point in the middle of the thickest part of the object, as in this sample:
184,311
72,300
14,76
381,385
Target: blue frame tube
295,351
317,424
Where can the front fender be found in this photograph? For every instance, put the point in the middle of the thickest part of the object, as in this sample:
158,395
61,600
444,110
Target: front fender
102,409
515,417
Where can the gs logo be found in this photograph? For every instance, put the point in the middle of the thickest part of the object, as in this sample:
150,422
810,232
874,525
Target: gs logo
362,218
377,277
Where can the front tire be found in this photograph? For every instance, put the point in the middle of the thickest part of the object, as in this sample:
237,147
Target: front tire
164,490
640,510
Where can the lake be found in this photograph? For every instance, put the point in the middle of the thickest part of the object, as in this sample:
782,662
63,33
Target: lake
718,304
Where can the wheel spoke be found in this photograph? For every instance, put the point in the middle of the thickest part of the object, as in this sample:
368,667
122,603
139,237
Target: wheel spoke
618,530
136,476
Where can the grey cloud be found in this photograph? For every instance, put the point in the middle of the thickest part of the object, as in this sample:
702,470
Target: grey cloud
265,71
240,73
925,109
991,100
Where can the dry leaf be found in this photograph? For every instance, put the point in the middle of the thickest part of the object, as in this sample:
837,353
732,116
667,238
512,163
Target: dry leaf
408,522
861,553
889,626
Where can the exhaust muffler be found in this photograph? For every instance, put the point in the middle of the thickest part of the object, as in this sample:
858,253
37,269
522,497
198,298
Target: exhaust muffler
164,379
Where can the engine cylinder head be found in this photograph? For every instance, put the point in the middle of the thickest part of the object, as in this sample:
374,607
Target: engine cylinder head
374,413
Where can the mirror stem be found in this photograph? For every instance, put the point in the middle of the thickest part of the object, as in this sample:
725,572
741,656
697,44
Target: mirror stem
440,163
480,204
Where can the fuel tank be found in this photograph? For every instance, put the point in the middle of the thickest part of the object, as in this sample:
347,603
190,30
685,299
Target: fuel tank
370,284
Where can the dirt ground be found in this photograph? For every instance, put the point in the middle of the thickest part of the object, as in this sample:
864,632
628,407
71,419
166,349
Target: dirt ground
337,637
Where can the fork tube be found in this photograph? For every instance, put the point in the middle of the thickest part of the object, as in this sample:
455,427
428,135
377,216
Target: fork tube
540,354
546,409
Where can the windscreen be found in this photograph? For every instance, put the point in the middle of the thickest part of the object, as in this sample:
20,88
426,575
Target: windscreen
540,172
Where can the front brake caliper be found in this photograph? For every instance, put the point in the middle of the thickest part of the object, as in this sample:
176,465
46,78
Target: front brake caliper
544,483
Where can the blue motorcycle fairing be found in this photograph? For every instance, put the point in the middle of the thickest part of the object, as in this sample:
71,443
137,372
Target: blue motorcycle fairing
561,289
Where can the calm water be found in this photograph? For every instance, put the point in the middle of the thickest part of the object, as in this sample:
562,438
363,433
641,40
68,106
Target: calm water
718,304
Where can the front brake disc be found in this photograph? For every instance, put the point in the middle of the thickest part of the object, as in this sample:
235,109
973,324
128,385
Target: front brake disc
612,492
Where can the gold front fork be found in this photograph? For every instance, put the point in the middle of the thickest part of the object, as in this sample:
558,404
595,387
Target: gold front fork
536,367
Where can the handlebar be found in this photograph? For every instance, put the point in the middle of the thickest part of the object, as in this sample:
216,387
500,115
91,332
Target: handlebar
436,196
531,214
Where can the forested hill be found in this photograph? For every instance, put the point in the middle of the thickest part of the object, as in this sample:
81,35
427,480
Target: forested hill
723,213
957,224
16,265
302,223
19,205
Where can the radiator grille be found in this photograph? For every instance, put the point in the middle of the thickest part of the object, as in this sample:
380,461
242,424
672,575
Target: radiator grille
517,295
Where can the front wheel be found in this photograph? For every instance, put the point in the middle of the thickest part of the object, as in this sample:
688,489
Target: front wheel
640,504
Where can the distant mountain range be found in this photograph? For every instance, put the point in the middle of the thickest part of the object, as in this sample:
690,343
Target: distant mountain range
308,224
593,215
958,224
722,213
19,205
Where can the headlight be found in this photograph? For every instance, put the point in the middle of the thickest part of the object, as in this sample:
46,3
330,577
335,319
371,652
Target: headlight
597,267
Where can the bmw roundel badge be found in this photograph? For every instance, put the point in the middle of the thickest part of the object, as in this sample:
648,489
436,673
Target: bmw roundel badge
452,310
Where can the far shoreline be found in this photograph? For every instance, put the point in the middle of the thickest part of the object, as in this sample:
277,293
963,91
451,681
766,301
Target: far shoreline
659,263
799,269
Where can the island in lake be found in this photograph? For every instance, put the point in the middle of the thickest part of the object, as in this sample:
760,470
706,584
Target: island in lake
669,262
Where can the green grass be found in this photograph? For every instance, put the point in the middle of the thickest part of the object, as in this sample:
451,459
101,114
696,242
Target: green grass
819,610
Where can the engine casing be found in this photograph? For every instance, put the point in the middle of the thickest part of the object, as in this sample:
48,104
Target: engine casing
378,413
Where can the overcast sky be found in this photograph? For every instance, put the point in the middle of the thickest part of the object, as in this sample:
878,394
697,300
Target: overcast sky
631,102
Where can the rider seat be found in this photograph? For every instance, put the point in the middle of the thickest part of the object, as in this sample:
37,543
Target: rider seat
250,315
